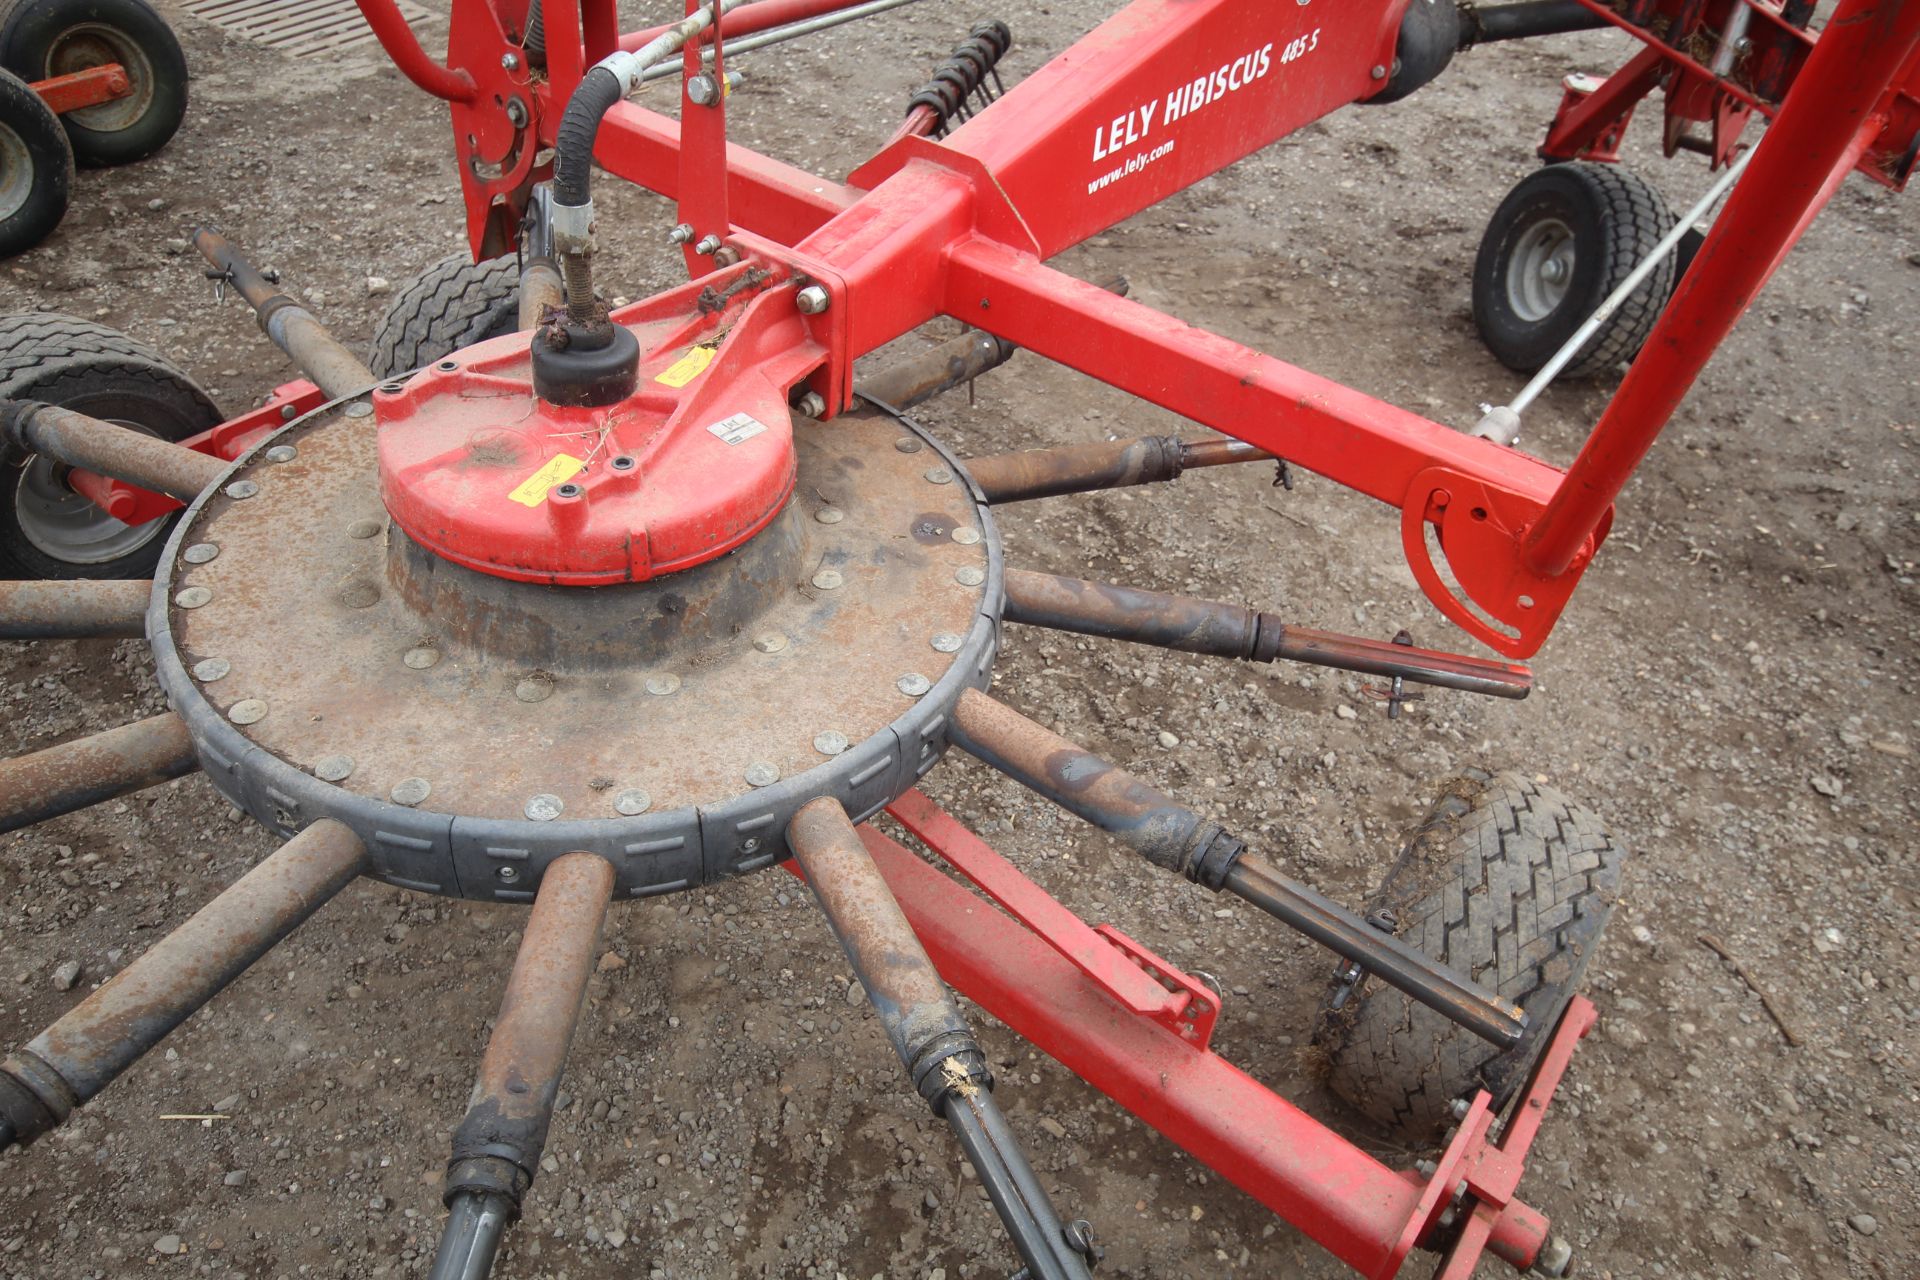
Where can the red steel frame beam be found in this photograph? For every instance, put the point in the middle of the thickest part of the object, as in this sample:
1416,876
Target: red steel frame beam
88,88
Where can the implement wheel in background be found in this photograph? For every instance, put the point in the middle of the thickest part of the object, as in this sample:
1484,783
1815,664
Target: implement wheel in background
454,303
40,39
36,168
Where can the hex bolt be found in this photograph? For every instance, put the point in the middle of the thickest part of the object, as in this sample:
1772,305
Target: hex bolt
1425,1168
762,774
1460,1108
421,658
240,489
288,413
828,579
829,515
830,742
680,234
970,576
664,684
946,642
1378,72
966,536
247,711
200,553
632,802
913,684
725,256
282,453
703,90
517,113
812,300
708,244
770,642
544,807
410,791
509,61
192,597
939,475
361,409
812,405
207,670
333,768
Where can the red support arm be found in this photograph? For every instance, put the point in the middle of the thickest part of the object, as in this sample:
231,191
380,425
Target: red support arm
398,40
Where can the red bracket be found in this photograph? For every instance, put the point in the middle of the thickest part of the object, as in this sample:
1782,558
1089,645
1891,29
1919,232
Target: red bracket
87,88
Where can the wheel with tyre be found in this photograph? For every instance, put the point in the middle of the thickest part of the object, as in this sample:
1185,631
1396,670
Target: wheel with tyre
452,304
46,529
1564,238
1507,882
36,168
40,39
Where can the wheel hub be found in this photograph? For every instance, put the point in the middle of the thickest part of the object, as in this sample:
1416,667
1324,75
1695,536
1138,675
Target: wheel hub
470,727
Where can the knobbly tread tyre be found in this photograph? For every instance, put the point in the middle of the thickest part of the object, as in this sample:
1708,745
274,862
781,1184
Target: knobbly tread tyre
132,33
452,304
1507,882
1617,219
67,361
36,167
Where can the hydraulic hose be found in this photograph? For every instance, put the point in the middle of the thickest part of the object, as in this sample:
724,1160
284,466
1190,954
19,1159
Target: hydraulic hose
610,80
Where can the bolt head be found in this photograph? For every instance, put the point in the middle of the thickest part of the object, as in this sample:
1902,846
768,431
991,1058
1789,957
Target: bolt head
662,685
725,256
913,684
708,244
333,768
410,791
200,553
828,580
770,642
421,658
970,576
247,711
1460,1108
946,642
544,807
703,90
1378,72
242,489
829,515
363,528
907,444
830,742
939,475
509,62
680,234
812,405
812,300
762,774
207,670
192,597
965,536
632,802
282,453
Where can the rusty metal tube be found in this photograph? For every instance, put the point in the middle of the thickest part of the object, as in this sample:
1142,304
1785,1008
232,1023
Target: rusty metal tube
73,775
1115,464
74,609
1170,835
927,1029
119,452
497,1148
334,369
540,290
106,1033
1192,625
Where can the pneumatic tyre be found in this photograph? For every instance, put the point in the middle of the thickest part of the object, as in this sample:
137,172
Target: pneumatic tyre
452,304
46,529
40,39
36,168
1507,882
1564,238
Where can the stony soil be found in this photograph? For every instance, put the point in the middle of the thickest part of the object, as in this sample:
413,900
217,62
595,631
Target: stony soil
1733,689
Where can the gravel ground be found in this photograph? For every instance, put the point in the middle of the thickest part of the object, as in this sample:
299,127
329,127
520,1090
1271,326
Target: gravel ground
1732,689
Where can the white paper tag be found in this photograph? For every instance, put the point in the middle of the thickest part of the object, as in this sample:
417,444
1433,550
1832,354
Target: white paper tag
741,426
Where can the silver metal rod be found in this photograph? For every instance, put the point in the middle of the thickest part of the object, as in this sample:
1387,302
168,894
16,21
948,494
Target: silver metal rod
778,35
1551,370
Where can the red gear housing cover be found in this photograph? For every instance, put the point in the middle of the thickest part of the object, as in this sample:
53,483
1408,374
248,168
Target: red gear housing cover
479,471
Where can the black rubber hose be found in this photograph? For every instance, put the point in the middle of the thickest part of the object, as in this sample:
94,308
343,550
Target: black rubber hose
573,175
1525,21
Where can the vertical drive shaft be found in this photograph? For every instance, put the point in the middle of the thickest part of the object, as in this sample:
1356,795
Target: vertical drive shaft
924,1022
497,1148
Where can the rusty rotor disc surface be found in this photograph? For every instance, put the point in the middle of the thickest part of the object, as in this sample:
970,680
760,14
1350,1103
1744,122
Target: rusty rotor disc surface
472,728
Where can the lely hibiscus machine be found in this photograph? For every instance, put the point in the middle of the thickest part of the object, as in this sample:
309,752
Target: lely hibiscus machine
621,604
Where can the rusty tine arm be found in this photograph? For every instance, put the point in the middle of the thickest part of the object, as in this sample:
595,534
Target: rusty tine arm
1114,464
928,1031
74,609
294,329
496,1149
73,775
115,451
103,1035
1231,631
1170,835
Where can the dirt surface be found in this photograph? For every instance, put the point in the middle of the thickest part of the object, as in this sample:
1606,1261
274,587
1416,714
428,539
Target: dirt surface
1732,689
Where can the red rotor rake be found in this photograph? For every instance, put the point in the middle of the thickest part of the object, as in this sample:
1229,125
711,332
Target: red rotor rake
630,602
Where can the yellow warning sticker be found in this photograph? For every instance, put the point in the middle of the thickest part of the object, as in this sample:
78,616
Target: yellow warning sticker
533,490
687,367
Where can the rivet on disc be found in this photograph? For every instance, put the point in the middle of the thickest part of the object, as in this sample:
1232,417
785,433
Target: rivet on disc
662,685
827,579
192,597
632,802
970,576
422,658
200,553
360,593
544,807
830,742
939,475
242,489
762,774
966,536
333,768
360,408
534,688
363,528
770,642
247,711
946,642
829,515
410,791
907,444
207,670
282,453
913,684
